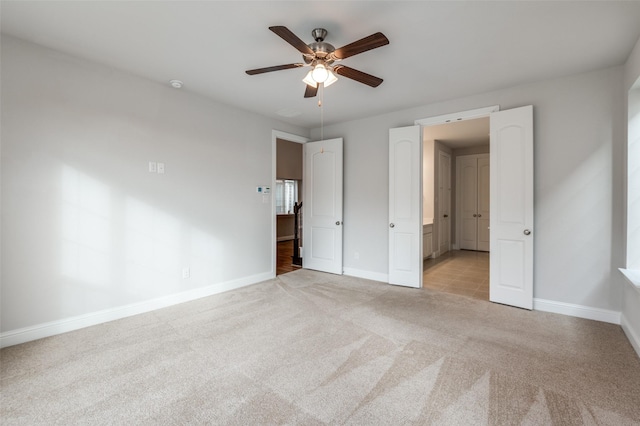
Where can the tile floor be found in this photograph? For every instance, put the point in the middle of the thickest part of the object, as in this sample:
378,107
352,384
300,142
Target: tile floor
459,272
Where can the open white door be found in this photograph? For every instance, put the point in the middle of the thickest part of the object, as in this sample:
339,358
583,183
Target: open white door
405,206
511,239
322,206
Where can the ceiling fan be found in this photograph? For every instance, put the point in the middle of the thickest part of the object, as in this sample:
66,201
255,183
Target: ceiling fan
322,58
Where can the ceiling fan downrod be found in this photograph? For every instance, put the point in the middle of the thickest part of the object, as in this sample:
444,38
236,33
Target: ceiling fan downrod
319,34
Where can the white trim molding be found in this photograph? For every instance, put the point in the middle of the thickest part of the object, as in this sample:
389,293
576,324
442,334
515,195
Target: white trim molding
578,311
632,335
632,276
458,116
27,334
367,275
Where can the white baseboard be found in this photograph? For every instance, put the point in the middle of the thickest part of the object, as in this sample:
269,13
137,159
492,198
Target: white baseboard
27,334
579,311
368,275
632,335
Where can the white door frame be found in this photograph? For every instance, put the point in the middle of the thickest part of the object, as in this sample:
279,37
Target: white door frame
457,116
275,135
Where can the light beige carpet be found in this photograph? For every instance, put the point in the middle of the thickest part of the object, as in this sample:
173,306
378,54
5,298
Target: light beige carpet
311,348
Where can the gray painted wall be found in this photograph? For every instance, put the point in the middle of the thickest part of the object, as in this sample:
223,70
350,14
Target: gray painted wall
578,188
85,226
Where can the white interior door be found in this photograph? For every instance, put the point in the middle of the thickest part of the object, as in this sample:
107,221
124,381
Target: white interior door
444,201
511,238
473,198
322,206
468,198
405,206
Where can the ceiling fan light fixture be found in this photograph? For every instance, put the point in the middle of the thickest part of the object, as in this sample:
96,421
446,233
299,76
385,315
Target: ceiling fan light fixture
331,78
309,80
320,73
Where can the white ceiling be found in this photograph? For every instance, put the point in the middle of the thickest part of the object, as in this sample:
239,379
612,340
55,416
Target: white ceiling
437,50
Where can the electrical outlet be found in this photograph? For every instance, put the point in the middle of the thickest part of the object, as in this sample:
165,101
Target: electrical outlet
160,168
186,273
356,255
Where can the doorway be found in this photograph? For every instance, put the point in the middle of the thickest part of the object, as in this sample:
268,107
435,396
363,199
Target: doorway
287,190
511,186
451,193
319,215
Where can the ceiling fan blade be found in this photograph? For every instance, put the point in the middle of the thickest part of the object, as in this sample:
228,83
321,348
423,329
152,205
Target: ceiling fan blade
356,75
371,42
292,39
310,91
276,68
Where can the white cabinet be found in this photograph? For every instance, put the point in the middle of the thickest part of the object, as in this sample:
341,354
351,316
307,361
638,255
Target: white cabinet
473,201
427,241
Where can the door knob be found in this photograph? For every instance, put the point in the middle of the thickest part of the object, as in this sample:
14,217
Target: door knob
475,215
479,215
338,223
527,232
391,225
446,215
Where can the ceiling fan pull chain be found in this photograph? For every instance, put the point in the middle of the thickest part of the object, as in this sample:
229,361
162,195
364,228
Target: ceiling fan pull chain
321,111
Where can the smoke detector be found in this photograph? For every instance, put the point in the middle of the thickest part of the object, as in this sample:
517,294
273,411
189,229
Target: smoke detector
176,84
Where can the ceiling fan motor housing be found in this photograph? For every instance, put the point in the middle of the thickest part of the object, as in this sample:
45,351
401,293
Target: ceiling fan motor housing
320,48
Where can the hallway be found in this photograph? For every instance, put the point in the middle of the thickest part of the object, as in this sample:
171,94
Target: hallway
459,272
